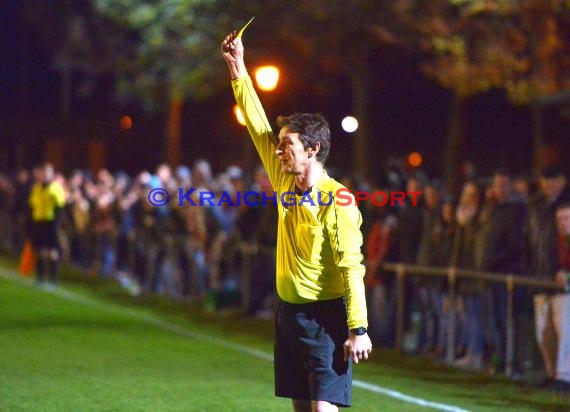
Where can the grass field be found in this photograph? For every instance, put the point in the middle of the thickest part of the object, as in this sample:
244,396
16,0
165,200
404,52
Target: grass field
88,346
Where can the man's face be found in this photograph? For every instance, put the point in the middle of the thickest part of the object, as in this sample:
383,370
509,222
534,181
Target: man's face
447,213
552,186
291,152
413,185
45,174
164,173
431,196
470,196
563,221
501,188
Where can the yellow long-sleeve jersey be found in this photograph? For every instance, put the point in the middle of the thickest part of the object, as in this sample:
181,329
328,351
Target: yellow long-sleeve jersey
318,240
45,200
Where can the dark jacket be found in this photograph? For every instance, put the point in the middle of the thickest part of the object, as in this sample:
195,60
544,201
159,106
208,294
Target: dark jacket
542,236
464,254
504,241
409,233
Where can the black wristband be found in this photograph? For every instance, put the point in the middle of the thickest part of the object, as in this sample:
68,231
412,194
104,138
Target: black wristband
359,331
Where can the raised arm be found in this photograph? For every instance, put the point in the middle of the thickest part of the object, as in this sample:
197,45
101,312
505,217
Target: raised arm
257,124
232,51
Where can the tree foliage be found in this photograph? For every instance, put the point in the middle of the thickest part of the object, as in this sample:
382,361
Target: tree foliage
156,47
472,46
175,45
80,40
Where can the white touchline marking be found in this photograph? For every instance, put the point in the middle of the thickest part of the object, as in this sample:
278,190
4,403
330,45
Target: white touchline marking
178,330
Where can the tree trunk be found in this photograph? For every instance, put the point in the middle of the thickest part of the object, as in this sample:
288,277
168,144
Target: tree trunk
65,91
454,145
23,67
174,130
361,148
537,137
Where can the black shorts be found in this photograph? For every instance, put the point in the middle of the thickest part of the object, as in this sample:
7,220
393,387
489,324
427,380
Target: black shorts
44,234
309,354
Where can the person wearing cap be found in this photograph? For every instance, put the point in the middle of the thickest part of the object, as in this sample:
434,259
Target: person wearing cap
321,318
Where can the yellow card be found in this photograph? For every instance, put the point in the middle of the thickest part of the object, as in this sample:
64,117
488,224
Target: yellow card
244,27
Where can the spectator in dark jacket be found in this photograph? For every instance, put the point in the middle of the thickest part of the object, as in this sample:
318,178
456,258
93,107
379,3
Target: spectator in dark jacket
20,208
429,288
380,284
410,224
464,256
541,225
408,241
503,253
552,311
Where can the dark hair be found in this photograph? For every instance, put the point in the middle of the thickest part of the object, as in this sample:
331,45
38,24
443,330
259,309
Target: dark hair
312,129
551,172
503,171
563,205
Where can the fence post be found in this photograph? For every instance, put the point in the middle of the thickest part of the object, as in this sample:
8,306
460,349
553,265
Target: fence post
149,260
131,254
170,277
510,326
245,276
451,277
400,306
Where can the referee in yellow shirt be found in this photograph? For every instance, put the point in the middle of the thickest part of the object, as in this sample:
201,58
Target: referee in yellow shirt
321,319
47,198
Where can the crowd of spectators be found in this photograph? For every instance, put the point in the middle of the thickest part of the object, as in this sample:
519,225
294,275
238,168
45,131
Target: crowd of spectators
109,228
501,224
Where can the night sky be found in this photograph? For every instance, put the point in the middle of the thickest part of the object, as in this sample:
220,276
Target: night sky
409,113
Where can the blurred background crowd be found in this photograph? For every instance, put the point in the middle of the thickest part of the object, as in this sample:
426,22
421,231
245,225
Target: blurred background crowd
223,256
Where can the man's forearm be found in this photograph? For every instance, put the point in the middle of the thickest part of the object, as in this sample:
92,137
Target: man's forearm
257,124
237,69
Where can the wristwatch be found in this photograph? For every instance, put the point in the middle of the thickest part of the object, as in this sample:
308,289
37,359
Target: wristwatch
358,331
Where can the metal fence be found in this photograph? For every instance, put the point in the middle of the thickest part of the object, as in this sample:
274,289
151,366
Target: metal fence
250,251
452,274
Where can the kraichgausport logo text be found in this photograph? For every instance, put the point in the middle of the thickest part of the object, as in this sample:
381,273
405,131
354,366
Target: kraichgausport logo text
341,197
